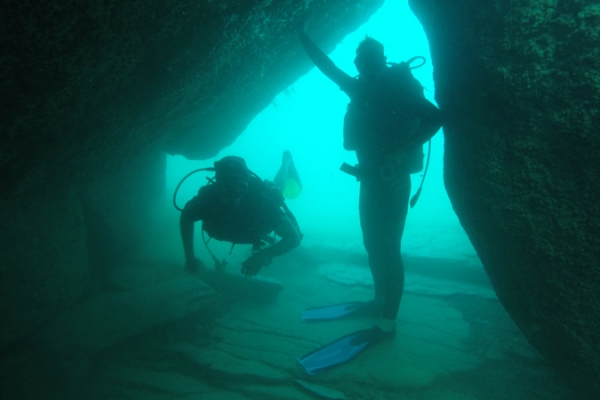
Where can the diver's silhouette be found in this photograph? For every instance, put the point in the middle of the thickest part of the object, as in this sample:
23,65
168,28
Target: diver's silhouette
239,207
387,122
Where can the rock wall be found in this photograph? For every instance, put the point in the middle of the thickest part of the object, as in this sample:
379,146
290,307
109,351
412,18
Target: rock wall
44,264
519,82
117,209
92,90
92,86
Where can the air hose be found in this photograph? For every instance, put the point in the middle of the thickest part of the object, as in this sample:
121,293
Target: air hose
183,180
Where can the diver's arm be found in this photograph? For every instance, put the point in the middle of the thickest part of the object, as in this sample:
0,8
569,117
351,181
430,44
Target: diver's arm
186,227
431,122
323,62
290,239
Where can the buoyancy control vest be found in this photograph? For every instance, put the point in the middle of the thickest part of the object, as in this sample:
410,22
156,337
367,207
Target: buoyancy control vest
268,192
381,115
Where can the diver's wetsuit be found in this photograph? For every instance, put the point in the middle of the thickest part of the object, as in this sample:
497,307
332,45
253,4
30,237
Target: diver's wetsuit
384,183
256,216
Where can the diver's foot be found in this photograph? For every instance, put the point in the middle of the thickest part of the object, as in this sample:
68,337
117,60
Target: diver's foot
373,336
192,269
379,335
369,309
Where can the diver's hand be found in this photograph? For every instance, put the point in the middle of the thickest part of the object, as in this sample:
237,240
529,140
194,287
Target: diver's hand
194,265
254,263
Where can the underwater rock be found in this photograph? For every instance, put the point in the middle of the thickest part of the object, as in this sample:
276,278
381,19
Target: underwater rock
321,391
45,373
44,263
173,383
223,365
111,318
91,91
519,83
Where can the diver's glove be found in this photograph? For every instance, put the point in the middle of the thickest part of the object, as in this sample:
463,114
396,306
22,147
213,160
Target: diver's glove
254,263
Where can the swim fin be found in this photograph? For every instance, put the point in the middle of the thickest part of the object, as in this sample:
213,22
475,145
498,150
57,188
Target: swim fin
335,311
343,349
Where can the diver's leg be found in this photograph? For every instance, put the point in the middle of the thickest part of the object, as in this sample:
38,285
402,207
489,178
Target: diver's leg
281,176
370,214
383,210
292,171
287,178
392,228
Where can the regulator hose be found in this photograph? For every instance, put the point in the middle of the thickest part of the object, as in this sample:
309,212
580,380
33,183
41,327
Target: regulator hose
183,180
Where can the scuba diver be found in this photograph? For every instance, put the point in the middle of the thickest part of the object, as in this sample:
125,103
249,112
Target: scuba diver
238,207
387,122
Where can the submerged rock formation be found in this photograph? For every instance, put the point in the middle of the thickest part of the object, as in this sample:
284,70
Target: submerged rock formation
520,85
93,95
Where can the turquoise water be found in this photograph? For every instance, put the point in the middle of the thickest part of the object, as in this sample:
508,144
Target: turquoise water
150,330
454,341
307,120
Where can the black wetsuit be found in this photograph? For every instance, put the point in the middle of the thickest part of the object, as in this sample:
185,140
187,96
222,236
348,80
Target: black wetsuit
255,217
384,180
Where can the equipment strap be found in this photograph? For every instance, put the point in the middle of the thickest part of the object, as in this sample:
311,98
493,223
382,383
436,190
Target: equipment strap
417,194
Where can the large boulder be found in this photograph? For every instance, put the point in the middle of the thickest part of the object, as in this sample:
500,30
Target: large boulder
95,92
89,87
44,261
519,82
117,210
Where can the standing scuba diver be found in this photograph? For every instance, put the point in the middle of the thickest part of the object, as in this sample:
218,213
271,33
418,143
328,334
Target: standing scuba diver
387,122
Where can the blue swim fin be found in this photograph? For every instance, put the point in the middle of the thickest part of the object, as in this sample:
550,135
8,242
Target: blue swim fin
343,349
335,311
